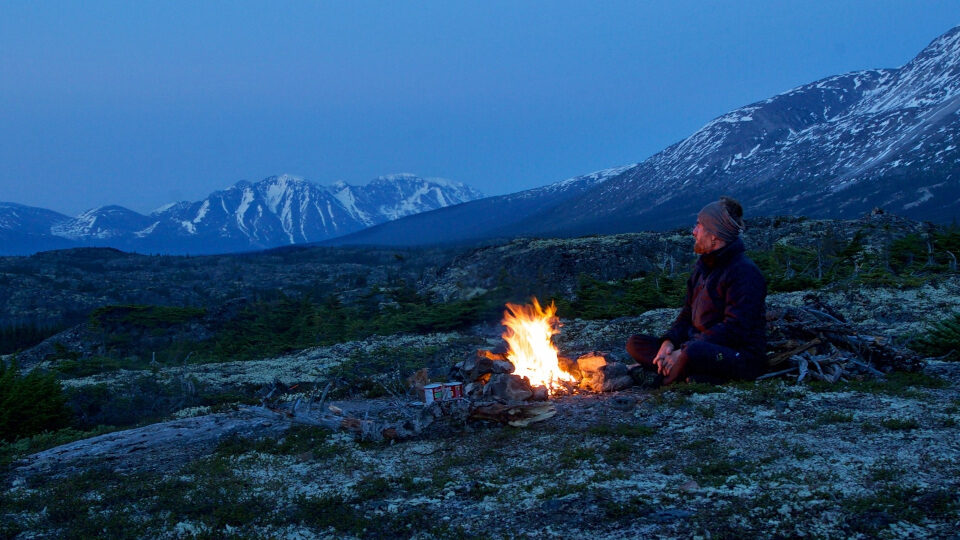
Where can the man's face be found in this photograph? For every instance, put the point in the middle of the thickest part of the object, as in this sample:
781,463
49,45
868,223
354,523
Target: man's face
704,242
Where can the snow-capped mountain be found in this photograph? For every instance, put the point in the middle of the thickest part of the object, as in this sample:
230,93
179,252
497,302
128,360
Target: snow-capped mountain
280,210
493,217
26,229
833,148
101,224
837,147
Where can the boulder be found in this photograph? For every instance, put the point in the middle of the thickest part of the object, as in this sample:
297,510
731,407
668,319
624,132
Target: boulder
608,377
508,388
590,362
481,363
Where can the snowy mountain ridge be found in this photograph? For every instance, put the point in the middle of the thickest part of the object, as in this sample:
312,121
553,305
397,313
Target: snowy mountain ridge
279,210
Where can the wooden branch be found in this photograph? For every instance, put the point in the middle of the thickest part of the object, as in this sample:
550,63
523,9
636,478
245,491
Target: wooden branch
868,367
803,369
778,359
776,374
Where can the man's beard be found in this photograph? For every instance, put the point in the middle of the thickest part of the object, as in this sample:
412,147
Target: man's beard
702,246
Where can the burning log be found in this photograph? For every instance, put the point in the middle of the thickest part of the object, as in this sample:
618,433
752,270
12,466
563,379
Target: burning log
529,336
531,369
570,366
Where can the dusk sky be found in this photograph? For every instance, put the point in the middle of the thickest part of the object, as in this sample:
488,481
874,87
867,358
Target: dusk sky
143,103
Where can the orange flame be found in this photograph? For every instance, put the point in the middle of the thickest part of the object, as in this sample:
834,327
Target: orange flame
529,334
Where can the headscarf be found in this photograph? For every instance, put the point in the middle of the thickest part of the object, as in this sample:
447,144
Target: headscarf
716,220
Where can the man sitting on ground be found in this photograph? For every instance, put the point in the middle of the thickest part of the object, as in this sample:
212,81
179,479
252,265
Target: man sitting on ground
720,333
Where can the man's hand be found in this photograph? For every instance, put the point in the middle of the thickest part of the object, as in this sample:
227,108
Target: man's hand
666,348
672,366
669,362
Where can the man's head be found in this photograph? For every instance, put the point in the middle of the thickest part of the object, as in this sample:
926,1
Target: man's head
718,224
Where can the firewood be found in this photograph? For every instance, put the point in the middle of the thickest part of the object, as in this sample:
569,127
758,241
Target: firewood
776,374
803,369
793,332
778,359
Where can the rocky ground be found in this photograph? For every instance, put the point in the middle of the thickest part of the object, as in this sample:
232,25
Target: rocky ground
863,458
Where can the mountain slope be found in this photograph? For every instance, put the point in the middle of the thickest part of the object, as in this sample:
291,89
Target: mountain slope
25,229
834,148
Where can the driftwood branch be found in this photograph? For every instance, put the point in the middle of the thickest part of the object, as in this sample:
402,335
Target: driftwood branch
779,359
776,373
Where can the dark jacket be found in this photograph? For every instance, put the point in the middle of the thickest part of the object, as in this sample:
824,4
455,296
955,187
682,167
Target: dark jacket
725,304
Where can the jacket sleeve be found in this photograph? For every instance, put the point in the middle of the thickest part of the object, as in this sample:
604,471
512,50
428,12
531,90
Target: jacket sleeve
679,332
745,299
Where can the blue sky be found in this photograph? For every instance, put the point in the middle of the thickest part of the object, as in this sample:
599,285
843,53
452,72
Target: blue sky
143,103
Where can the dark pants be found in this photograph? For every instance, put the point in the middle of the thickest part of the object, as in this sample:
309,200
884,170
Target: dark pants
706,362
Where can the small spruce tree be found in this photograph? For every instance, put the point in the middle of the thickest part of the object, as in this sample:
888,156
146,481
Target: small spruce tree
31,403
941,338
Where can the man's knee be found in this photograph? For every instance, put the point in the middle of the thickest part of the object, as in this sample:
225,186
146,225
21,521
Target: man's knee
642,348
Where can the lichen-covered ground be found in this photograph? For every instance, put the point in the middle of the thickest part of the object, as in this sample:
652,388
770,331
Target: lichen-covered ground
768,459
864,458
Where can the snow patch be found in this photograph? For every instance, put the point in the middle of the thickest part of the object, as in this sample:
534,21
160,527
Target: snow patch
202,211
144,232
925,195
242,209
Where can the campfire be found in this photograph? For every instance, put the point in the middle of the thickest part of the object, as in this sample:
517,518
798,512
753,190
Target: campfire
529,336
532,368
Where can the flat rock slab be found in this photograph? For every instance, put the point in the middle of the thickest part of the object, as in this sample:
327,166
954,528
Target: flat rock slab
156,447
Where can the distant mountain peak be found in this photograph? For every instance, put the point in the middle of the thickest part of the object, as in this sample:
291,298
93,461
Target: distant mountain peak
946,45
284,179
278,210
396,177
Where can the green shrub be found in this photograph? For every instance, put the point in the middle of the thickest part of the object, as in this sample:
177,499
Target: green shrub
30,404
942,338
595,299
788,268
275,327
18,337
144,316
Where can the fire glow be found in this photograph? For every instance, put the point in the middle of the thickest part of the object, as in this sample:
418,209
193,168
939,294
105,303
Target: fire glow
529,336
